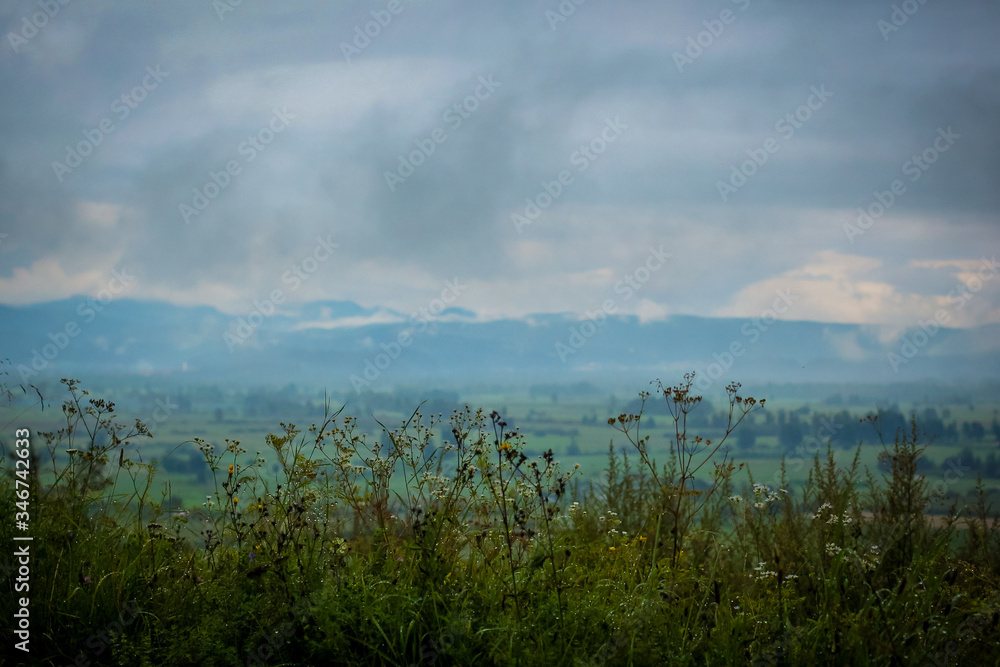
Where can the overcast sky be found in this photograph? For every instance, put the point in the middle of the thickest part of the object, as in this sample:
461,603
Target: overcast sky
642,109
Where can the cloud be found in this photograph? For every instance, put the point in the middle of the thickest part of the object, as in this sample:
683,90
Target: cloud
326,173
47,280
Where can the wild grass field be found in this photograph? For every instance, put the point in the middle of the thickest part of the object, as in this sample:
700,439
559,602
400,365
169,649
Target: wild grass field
475,537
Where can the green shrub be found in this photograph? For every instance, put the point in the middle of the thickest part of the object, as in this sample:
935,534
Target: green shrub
390,550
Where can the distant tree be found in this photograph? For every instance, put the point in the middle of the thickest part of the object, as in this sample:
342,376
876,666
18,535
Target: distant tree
990,467
967,458
973,431
930,424
790,434
951,431
890,422
747,437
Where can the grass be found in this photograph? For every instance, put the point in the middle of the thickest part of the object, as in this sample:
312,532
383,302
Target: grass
389,550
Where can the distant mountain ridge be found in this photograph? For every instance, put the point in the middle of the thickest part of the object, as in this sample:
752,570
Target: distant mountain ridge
341,344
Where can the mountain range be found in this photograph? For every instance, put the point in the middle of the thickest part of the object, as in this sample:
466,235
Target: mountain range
342,345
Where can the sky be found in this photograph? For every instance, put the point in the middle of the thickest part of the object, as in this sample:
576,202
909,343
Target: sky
699,158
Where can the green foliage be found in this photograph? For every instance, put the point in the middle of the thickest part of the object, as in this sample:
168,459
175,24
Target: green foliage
393,550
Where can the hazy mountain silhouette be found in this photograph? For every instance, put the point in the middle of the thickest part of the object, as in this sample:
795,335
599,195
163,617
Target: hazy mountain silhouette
328,342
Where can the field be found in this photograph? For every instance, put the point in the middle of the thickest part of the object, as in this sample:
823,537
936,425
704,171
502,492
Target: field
574,427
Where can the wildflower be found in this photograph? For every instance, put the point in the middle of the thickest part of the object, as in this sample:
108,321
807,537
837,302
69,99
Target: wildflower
236,500
230,471
832,549
505,445
736,499
612,549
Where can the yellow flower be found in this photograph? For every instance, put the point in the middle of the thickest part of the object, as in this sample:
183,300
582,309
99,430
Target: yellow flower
611,549
505,445
230,470
236,500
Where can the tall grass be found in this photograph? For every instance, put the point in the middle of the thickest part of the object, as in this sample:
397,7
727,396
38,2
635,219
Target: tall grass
390,550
